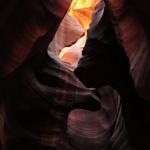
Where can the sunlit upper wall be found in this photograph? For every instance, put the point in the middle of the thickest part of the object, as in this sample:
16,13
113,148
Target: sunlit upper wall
82,10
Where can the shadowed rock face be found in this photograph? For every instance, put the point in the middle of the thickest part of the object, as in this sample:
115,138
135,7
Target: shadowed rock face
37,99
133,32
22,23
106,63
34,87
99,130
141,11
104,58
